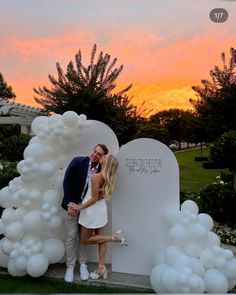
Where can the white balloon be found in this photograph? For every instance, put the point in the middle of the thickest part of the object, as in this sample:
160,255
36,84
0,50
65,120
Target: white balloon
155,278
52,197
230,269
207,257
55,222
33,222
171,253
198,232
39,123
196,266
11,267
190,206
37,265
54,250
70,118
55,119
46,169
205,220
232,284
20,263
173,216
19,214
3,257
169,280
6,197
31,239
2,227
36,151
8,215
212,240
216,281
15,231
192,249
6,245
179,234
182,262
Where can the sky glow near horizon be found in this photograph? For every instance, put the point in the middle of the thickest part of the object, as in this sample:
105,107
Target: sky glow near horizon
166,46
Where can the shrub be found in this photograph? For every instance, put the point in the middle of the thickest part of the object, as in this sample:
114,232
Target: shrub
201,159
227,234
12,148
219,201
211,165
7,173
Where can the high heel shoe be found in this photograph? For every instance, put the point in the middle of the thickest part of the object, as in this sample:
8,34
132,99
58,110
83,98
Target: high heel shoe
118,235
97,275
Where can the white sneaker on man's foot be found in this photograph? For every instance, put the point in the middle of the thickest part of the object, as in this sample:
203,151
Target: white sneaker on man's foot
69,275
84,274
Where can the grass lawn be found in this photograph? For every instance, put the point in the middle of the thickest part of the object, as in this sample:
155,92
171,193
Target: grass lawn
192,176
9,284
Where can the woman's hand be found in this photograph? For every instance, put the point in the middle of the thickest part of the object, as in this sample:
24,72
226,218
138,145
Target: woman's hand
74,206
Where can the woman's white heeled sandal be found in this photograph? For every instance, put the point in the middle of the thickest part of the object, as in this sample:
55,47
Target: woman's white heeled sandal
118,235
96,275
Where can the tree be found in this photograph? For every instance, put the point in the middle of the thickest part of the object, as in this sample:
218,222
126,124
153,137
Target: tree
6,91
175,121
216,99
223,152
89,90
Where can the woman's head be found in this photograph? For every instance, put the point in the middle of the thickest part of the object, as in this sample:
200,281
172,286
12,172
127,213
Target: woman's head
110,166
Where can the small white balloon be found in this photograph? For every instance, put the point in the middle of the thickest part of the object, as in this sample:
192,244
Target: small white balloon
33,222
171,253
190,206
205,220
179,234
230,269
3,257
212,240
7,246
11,267
207,257
70,118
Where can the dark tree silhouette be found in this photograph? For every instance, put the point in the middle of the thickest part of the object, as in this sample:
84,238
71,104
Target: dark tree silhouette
6,91
216,99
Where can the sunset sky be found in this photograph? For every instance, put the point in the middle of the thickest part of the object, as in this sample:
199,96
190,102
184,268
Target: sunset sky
166,46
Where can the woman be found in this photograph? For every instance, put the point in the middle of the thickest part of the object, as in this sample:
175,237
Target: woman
93,212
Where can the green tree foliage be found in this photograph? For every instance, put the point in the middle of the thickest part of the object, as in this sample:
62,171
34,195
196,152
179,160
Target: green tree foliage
12,142
6,91
216,99
223,152
175,121
89,90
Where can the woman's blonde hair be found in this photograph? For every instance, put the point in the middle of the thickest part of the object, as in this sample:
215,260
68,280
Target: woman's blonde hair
109,172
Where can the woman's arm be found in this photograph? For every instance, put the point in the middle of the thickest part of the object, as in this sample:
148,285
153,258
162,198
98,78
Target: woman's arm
96,182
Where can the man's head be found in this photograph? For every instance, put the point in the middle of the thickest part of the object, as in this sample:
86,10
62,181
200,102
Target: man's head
98,151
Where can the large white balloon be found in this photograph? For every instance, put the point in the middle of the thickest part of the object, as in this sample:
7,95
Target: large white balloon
37,265
216,281
15,231
33,222
155,278
54,250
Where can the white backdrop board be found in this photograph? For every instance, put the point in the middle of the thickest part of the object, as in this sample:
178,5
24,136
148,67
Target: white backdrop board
147,187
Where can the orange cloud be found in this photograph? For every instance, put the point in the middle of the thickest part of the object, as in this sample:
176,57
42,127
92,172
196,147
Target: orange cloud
162,70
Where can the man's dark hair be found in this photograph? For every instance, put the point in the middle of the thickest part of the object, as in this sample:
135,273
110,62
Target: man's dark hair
103,147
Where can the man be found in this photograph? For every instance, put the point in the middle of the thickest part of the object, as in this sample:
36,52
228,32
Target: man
75,186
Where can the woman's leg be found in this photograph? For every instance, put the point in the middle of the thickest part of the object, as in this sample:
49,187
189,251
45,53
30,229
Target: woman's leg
99,237
102,249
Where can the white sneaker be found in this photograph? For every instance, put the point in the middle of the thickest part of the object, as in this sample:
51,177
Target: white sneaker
69,275
84,274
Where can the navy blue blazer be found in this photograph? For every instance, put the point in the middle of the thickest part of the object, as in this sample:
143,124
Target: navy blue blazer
74,180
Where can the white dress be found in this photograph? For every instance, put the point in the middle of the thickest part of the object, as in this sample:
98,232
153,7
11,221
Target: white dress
94,216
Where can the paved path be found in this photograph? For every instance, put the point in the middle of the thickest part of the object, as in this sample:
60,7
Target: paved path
115,279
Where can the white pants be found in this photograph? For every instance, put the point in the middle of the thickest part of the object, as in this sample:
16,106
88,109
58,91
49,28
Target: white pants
72,243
